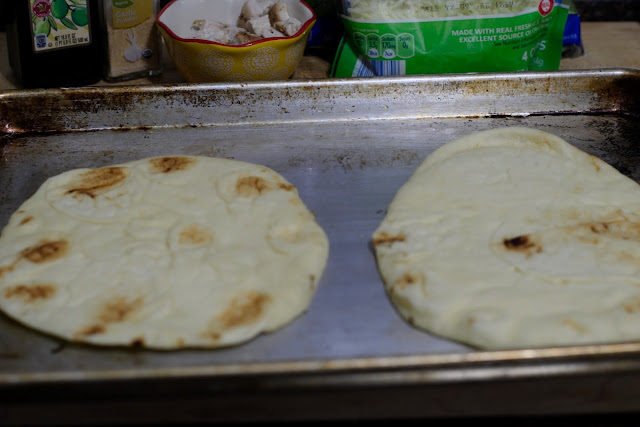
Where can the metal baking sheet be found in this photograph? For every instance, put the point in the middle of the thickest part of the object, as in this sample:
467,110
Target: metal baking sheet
348,145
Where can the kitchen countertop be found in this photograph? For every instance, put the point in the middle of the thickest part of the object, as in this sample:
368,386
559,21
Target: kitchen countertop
606,45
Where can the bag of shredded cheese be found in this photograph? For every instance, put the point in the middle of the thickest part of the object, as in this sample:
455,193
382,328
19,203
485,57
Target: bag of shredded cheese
400,37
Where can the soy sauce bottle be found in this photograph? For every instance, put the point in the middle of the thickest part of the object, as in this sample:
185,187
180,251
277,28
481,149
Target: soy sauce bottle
54,43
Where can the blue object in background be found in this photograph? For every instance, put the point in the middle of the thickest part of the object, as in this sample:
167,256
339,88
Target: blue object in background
572,40
326,32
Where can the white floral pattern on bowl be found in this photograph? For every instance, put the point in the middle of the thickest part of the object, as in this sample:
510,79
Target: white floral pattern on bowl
261,61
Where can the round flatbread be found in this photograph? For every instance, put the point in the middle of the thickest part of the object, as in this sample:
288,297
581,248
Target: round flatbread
514,238
165,252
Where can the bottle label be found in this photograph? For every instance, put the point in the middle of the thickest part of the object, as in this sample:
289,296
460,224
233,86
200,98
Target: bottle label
59,24
130,13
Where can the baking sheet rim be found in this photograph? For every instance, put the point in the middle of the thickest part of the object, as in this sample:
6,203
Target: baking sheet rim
586,355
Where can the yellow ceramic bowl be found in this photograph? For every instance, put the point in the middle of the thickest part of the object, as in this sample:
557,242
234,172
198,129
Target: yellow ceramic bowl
201,61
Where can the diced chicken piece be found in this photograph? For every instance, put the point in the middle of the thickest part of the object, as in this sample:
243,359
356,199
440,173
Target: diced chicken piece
272,32
198,24
211,30
278,13
262,27
252,9
258,20
243,37
289,26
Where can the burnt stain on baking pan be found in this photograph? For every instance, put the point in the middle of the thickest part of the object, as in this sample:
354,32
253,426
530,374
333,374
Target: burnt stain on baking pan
10,356
83,109
619,94
67,109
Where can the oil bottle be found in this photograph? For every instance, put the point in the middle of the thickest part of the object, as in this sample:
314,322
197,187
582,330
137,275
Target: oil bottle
54,43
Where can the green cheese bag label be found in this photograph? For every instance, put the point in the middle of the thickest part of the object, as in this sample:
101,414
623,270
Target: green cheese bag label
450,36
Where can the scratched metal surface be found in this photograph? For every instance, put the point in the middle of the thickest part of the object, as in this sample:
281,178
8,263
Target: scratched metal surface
348,145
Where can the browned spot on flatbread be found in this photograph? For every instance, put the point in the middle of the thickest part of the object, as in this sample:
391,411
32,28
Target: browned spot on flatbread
387,239
171,164
137,342
7,269
98,181
116,310
632,306
599,228
244,309
46,251
523,244
286,187
26,220
570,214
194,235
541,140
312,279
251,186
594,161
212,336
589,239
407,280
31,293
119,309
615,216
575,325
180,342
590,232
90,330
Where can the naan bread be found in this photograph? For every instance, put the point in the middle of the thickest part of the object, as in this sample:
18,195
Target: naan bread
164,253
514,238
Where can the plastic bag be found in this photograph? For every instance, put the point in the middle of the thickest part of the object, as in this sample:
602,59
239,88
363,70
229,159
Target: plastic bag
400,37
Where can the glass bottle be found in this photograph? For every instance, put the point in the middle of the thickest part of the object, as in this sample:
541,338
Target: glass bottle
54,43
